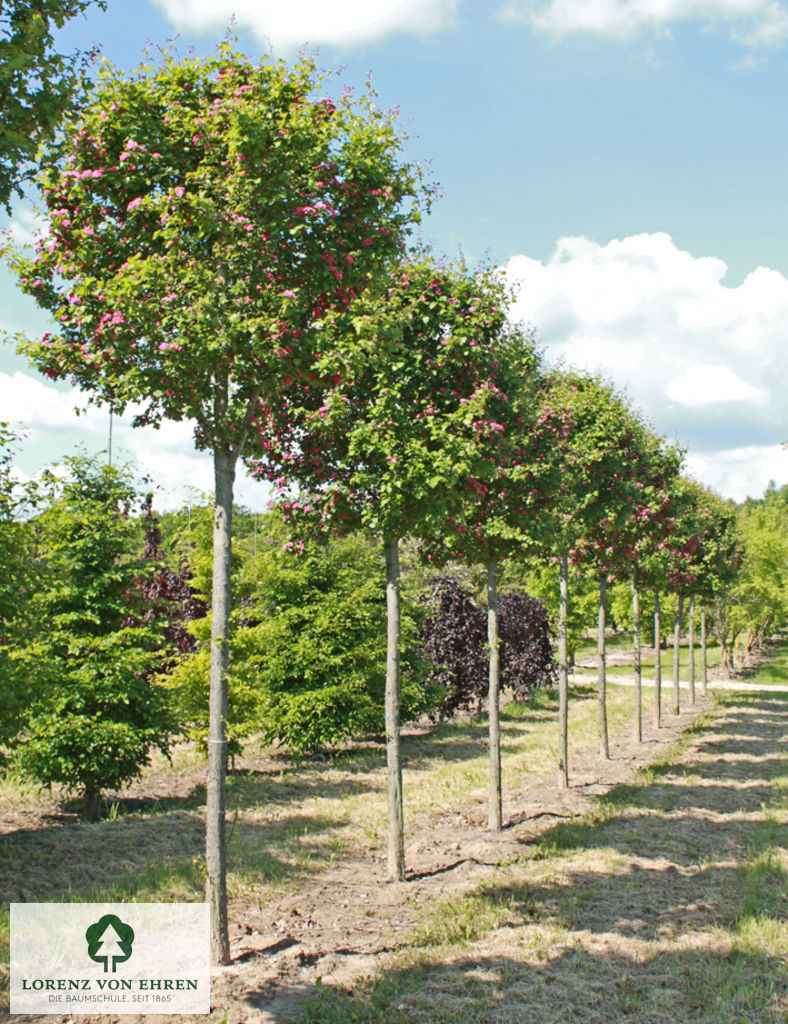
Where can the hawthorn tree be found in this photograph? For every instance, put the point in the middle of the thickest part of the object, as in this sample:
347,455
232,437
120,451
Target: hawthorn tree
626,467
695,550
598,494
37,84
721,563
502,513
207,219
637,519
397,439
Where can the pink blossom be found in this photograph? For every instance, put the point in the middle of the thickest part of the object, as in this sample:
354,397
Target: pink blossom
134,203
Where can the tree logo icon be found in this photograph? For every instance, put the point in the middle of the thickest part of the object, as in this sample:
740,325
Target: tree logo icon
109,941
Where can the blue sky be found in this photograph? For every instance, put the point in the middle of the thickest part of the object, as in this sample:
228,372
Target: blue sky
625,162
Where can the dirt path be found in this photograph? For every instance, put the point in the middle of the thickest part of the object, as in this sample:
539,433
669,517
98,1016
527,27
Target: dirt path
667,906
337,925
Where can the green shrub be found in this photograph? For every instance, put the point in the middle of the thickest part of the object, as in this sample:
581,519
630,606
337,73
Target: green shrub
308,649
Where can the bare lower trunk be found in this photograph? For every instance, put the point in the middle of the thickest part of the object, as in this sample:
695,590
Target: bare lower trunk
396,826
704,677
676,654
721,627
495,817
215,851
692,648
638,719
604,745
657,662
563,675
92,805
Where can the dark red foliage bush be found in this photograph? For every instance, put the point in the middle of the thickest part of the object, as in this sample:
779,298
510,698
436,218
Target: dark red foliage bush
525,632
454,639
166,593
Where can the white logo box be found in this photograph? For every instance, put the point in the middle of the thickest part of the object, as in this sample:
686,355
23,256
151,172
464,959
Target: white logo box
85,958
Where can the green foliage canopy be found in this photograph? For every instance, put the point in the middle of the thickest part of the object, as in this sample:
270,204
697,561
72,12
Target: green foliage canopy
37,84
207,217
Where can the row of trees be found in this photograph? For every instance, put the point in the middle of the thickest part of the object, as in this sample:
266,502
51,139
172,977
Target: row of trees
307,643
225,243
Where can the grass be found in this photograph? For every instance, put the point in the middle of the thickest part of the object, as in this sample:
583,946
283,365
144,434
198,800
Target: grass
285,823
287,818
668,902
621,644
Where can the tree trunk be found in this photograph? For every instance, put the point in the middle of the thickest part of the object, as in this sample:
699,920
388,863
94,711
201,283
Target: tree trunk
215,851
692,648
657,663
704,678
721,628
396,825
638,721
563,674
495,816
92,805
604,745
676,654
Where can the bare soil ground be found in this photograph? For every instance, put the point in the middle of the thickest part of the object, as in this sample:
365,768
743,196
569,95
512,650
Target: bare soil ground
337,925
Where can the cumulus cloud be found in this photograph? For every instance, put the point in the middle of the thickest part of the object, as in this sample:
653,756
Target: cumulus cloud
741,472
293,24
25,227
166,456
702,360
701,384
756,23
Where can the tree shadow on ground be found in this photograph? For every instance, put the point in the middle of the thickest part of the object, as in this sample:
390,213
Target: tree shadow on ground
570,986
112,860
668,903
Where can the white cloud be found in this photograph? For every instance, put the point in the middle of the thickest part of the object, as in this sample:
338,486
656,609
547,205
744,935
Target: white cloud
166,455
701,384
756,23
703,361
741,472
26,226
293,24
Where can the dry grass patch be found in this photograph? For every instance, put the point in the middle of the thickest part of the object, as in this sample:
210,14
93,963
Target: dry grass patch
668,902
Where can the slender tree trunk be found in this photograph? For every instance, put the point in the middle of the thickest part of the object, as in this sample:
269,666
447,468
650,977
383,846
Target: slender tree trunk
495,816
215,851
676,654
721,628
396,825
692,648
563,674
657,663
92,805
638,720
704,677
604,745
